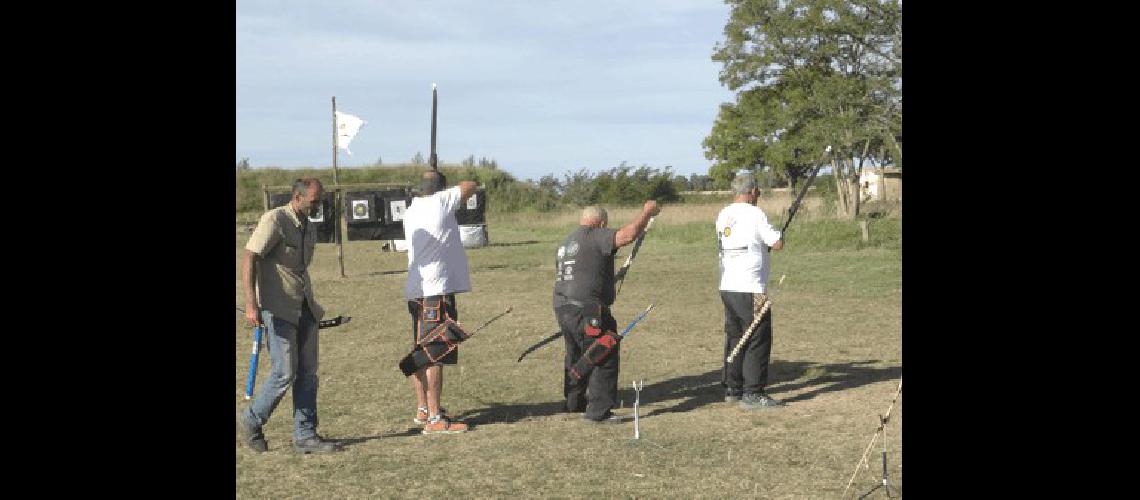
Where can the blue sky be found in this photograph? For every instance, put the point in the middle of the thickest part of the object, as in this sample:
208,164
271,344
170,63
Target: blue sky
542,87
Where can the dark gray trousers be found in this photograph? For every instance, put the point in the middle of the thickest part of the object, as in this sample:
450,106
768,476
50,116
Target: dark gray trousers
748,372
598,391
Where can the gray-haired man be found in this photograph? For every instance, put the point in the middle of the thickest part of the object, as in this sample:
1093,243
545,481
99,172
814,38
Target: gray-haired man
583,293
744,236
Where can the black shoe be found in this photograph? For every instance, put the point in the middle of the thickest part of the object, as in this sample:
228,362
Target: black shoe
610,418
759,401
315,444
251,435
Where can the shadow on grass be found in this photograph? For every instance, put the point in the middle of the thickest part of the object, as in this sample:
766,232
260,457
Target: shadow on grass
495,413
705,388
346,442
792,376
489,267
785,377
514,243
383,273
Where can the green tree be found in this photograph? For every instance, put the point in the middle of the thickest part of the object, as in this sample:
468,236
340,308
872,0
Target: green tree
579,189
810,74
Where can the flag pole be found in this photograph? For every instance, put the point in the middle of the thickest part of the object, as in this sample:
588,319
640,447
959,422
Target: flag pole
337,212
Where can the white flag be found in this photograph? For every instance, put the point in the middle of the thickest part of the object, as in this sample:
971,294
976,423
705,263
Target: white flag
346,128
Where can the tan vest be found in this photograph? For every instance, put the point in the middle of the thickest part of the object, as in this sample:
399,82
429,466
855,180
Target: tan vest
285,244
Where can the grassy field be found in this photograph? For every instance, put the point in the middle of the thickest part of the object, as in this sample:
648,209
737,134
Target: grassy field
836,361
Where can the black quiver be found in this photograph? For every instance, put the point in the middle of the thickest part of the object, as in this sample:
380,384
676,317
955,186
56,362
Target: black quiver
594,355
434,346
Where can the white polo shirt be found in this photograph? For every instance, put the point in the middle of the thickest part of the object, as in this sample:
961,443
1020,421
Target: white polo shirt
437,264
743,236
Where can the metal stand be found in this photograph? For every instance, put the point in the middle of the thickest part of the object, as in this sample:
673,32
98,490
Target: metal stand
886,483
637,404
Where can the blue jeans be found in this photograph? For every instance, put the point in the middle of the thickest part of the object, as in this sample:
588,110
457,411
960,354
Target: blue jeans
293,354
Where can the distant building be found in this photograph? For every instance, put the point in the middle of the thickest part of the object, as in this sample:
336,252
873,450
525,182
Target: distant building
881,184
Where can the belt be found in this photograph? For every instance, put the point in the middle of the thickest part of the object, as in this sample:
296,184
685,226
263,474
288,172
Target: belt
580,303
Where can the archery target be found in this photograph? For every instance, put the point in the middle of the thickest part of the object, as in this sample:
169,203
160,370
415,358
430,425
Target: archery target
360,209
398,208
320,217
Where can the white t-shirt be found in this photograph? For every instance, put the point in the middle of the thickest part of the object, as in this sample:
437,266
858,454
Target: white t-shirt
743,236
437,264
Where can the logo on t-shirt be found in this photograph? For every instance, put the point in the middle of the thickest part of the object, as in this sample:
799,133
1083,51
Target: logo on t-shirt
727,231
572,249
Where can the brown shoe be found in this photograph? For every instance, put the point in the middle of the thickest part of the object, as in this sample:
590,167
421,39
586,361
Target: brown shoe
444,426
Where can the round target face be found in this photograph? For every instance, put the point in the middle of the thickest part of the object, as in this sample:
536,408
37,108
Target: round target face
359,209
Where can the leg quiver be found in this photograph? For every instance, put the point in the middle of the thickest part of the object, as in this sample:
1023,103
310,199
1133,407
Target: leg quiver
594,355
434,346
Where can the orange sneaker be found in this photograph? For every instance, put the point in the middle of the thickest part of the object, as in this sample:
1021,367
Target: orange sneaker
444,426
422,415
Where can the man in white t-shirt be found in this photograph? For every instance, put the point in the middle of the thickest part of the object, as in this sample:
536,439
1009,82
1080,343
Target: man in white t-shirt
437,270
744,236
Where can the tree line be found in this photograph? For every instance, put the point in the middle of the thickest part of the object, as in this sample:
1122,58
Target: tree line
618,186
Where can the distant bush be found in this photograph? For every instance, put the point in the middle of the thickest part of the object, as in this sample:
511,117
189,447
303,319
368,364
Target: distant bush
622,185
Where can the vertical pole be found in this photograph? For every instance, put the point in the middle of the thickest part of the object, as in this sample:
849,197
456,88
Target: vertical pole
265,196
336,197
336,180
433,159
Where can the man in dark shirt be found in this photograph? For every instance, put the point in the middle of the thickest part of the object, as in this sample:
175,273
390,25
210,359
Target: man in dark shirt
583,294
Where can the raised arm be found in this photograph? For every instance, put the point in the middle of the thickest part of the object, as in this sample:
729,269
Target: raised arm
629,232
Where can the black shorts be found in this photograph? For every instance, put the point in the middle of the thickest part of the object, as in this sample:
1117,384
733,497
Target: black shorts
421,325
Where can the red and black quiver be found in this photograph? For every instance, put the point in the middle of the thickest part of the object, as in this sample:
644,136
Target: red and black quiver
443,336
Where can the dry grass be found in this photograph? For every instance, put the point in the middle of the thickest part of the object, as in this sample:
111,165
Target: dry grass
675,215
836,361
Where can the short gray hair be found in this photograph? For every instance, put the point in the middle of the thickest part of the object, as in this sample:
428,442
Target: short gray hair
304,184
595,212
743,183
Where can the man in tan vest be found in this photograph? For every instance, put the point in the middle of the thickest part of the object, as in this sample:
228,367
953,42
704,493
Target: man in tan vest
281,249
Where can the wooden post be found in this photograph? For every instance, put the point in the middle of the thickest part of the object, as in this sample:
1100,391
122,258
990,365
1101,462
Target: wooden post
265,196
866,231
336,184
